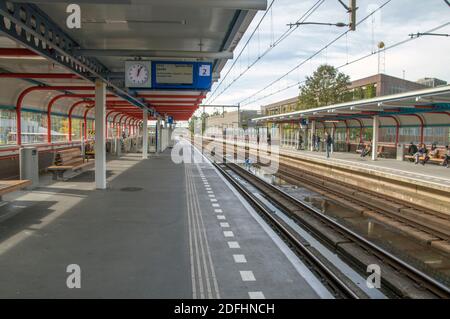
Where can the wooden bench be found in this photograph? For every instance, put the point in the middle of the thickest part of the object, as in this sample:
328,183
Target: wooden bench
437,159
380,151
12,186
68,160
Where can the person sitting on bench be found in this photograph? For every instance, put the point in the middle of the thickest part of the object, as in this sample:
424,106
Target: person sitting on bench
366,150
434,152
412,149
446,157
422,152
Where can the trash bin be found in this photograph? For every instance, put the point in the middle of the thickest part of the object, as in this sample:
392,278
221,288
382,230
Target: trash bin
29,165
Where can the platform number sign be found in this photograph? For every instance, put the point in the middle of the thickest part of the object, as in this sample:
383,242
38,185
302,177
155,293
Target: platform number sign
205,70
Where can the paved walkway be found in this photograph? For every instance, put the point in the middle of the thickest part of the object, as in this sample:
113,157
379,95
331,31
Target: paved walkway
161,230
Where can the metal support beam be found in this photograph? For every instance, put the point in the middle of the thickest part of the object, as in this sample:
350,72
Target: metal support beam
158,135
375,131
43,36
313,132
155,54
224,4
100,140
145,134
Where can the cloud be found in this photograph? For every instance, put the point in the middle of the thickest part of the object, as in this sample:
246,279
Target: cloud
427,56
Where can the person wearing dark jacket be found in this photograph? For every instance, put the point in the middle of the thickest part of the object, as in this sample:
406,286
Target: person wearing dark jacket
412,149
328,144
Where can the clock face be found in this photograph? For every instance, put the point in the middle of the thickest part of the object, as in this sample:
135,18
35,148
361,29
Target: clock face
138,74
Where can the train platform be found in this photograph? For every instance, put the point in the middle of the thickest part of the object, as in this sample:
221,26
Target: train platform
160,230
431,175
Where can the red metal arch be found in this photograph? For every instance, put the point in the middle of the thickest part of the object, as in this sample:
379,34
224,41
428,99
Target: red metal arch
422,124
72,108
25,92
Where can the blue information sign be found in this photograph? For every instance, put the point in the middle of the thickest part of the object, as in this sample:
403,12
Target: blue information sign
181,75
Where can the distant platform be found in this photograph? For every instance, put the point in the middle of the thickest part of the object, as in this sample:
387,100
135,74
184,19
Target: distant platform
431,175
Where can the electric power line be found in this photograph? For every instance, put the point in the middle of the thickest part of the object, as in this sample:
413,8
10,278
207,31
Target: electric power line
350,62
313,55
282,37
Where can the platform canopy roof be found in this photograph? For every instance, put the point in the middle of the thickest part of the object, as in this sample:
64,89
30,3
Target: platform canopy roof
37,48
425,107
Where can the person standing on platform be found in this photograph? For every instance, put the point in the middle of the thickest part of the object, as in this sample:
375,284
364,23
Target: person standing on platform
328,143
313,141
318,143
300,141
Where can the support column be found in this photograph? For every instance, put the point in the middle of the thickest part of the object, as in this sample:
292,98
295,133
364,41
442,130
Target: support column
312,132
158,135
375,137
333,131
100,140
145,134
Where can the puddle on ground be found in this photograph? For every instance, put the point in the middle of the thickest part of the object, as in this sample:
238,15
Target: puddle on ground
426,258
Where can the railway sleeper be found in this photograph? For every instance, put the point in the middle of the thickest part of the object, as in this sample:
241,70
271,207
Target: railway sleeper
329,235
419,235
376,201
334,197
428,218
401,284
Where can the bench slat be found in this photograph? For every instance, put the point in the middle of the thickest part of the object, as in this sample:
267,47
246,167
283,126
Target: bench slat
13,185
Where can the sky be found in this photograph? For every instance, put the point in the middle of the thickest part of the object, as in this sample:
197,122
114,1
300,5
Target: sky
426,56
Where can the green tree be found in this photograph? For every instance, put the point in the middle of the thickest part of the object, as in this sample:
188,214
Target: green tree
202,117
325,87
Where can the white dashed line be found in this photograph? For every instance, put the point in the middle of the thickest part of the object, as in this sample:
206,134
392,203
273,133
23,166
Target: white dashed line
239,259
210,192
222,217
256,295
213,200
247,275
224,225
212,195
218,210
228,233
215,205
233,245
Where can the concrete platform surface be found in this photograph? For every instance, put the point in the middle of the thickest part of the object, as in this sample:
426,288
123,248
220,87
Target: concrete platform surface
161,230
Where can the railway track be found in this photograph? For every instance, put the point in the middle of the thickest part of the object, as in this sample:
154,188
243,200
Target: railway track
369,203
421,224
398,278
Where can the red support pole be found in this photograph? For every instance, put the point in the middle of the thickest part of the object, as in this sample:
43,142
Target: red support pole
85,121
107,116
120,127
115,123
422,125
72,108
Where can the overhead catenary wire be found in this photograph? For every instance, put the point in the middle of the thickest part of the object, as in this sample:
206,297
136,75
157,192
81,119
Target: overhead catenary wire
244,47
260,56
348,63
313,55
